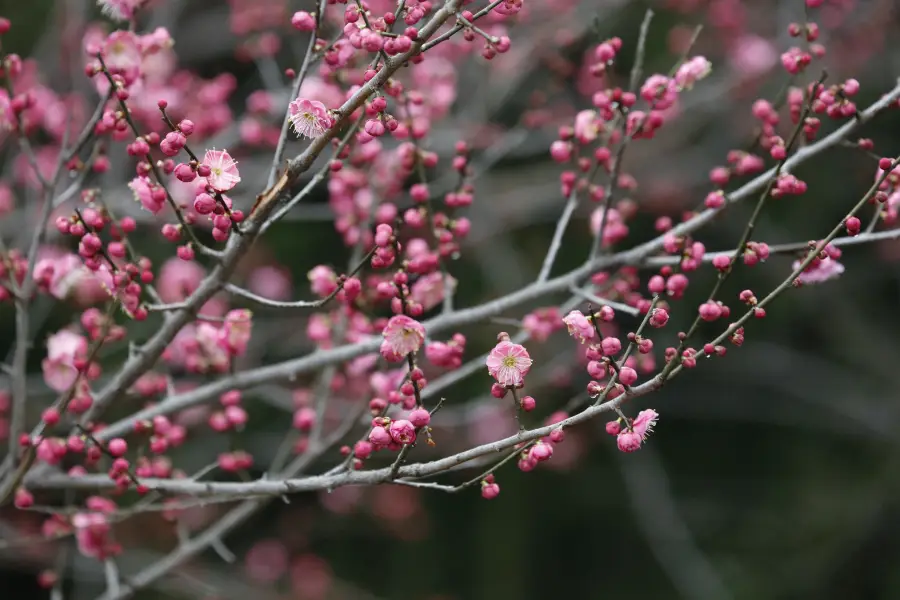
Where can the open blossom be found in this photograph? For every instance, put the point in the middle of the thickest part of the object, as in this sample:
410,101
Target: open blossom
643,424
447,354
819,271
428,290
7,116
402,335
541,323
93,531
208,352
580,327
509,363
614,229
323,280
224,172
630,439
64,348
147,195
310,118
691,72
235,332
119,10
122,55
659,91
61,274
587,126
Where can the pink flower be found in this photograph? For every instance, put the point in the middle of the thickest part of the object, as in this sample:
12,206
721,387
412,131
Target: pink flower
315,88
64,348
208,353
270,282
7,116
323,280
402,335
122,55
61,274
303,21
630,439
489,491
379,437
541,323
235,332
224,175
579,326
155,41
93,531
614,228
752,56
587,126
428,290
148,196
643,424
403,432
691,72
508,363
659,92
310,118
446,354
119,10
819,271
178,279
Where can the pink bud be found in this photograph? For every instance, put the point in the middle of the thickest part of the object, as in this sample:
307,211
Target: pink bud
419,418
303,21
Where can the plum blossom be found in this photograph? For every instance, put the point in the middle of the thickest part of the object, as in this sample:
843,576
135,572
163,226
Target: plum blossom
178,279
64,348
630,439
235,332
402,335
541,323
659,91
691,72
146,195
508,363
614,229
751,56
119,10
93,531
210,354
323,280
446,354
587,126
310,118
821,270
122,55
428,290
402,431
61,274
643,424
7,116
224,172
580,326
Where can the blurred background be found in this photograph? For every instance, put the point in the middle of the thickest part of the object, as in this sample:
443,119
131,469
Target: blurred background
773,472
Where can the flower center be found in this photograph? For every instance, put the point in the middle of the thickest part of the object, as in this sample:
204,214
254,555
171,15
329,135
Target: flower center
509,361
